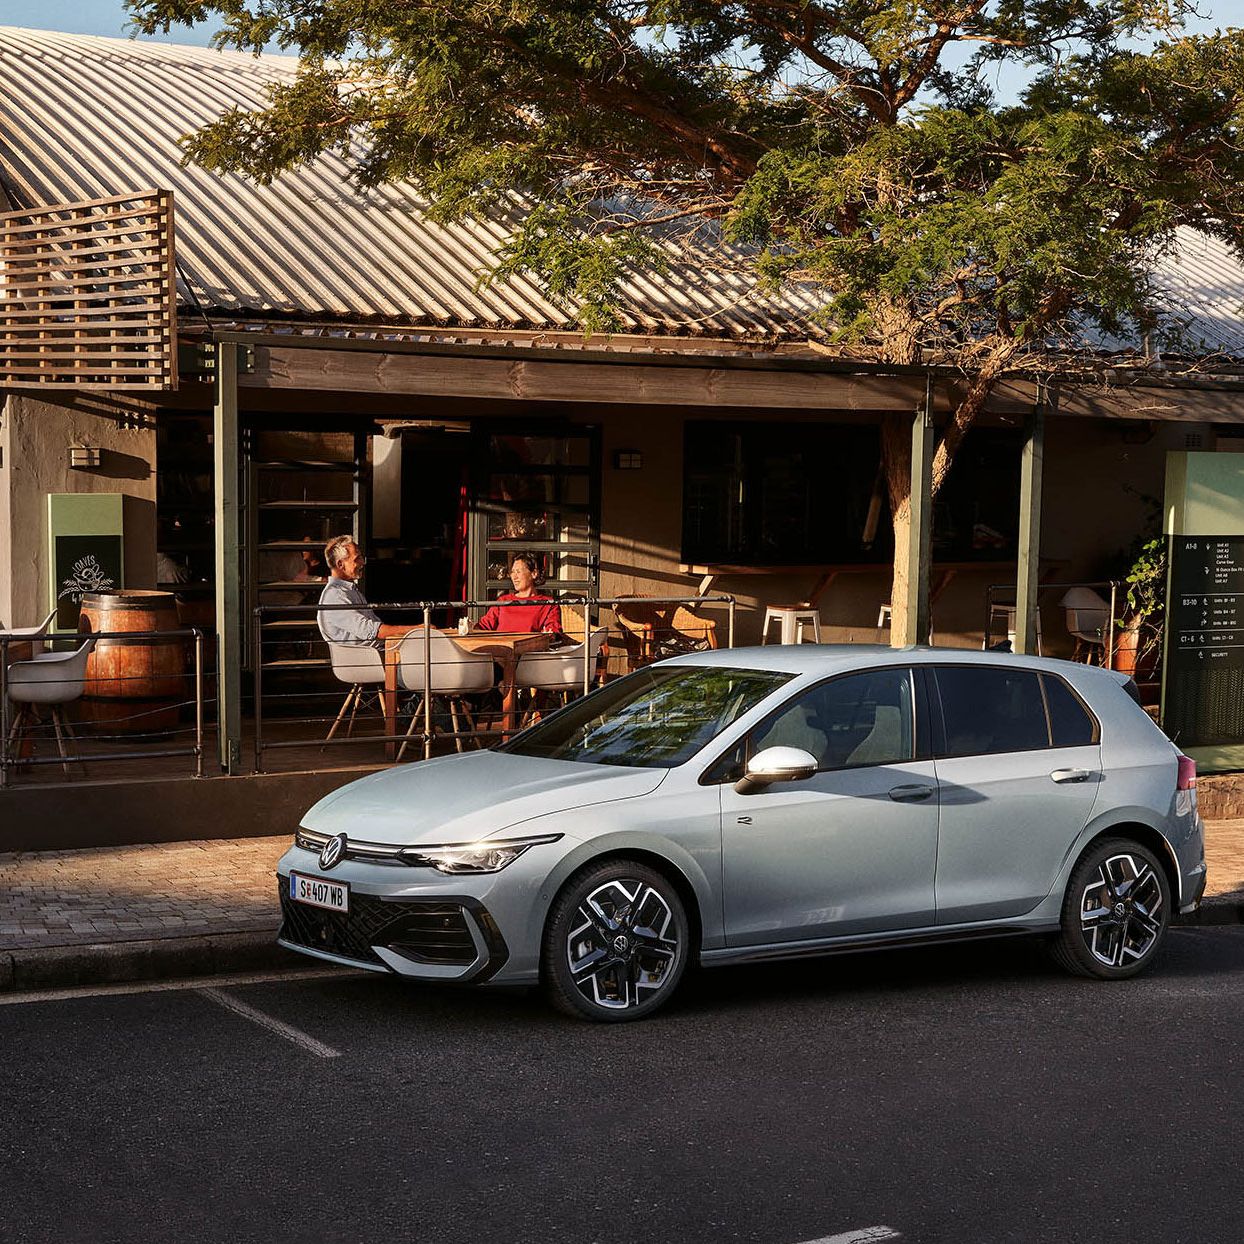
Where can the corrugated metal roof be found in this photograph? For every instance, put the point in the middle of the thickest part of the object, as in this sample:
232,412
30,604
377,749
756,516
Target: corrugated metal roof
1204,281
84,117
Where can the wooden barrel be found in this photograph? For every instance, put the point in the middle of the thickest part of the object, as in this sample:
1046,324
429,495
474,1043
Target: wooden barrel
133,686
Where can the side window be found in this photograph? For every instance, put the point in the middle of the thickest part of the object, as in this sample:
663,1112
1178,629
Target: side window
1070,722
991,709
860,719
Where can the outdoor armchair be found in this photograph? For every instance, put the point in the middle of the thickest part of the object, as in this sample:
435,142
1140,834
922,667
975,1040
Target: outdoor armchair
652,630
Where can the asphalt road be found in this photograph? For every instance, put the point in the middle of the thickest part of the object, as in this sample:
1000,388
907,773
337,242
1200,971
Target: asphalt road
958,1095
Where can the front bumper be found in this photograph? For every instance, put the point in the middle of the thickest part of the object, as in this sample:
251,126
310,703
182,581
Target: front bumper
450,938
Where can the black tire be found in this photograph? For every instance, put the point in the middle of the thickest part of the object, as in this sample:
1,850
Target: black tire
616,943
1115,913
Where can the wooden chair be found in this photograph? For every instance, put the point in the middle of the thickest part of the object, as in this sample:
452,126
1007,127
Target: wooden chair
652,630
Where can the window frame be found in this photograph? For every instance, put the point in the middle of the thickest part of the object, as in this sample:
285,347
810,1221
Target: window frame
921,720
940,746
1095,721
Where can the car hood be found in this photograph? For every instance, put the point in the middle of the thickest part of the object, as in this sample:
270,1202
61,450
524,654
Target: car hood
469,797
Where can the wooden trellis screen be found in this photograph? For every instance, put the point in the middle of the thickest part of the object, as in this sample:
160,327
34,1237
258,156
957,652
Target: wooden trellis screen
88,294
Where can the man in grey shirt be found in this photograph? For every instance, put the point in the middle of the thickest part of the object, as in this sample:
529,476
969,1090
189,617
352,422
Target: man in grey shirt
359,625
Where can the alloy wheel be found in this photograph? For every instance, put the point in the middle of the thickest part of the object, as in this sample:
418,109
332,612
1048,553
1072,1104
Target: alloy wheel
623,946
1122,913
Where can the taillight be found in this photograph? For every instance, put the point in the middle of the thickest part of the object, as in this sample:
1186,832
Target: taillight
1187,774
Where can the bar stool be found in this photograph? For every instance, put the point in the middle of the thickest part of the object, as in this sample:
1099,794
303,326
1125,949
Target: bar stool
885,619
791,620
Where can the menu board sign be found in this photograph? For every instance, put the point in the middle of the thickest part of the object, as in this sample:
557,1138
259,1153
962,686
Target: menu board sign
1204,699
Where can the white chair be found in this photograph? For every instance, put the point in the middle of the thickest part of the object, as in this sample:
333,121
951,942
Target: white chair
455,673
1088,616
360,666
791,620
51,678
33,635
562,669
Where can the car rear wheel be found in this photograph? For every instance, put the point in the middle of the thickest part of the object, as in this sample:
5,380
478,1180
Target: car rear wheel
1115,913
615,944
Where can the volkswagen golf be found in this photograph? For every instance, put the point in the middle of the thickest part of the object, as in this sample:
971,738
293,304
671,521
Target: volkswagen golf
758,804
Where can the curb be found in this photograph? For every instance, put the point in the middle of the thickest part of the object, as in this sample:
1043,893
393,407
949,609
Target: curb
110,963
1215,911
214,954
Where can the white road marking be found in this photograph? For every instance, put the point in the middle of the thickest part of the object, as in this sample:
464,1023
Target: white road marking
863,1235
191,982
290,1033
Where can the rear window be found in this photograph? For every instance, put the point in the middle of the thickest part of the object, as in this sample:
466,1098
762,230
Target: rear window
1071,724
991,709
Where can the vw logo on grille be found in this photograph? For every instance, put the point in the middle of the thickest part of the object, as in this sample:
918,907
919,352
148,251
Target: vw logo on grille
333,852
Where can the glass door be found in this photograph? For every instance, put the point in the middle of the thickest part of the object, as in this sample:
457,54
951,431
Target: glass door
536,492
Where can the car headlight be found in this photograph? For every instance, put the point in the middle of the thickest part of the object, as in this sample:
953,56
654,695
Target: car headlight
473,857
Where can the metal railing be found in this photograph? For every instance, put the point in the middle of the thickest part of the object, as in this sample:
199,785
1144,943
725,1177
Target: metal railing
996,598
382,672
133,719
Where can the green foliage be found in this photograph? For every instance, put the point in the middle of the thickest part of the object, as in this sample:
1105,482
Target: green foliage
857,144
1146,582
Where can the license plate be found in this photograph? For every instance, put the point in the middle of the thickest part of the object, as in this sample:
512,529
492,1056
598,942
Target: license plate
316,892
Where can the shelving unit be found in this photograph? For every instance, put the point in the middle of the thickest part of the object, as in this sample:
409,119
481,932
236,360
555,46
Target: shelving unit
538,492
294,504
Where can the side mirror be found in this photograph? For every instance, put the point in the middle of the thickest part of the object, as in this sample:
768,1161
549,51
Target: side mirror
776,764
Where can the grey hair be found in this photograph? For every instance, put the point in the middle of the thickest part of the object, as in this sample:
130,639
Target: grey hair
335,550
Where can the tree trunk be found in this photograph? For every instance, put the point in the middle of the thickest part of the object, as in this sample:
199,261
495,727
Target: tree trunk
896,462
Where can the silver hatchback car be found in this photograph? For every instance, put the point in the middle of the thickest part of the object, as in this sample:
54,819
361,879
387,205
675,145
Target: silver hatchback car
757,804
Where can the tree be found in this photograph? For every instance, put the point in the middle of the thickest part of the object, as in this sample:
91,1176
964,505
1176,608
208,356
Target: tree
852,145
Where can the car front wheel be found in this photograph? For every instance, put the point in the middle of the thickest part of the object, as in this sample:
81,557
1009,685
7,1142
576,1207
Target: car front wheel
1115,913
616,943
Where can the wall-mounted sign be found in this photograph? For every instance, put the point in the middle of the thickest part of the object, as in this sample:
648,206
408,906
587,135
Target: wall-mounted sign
1204,703
1203,639
83,564
86,544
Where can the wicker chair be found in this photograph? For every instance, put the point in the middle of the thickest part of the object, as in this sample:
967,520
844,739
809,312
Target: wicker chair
652,630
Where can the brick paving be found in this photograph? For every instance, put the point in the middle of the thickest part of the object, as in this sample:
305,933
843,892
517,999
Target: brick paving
118,894
114,894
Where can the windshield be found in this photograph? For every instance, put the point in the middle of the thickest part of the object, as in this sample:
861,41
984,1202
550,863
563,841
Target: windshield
654,719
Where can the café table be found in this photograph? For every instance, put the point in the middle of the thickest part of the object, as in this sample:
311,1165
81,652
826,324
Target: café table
503,646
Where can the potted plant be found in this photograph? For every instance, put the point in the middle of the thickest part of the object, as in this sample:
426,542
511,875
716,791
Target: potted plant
1139,638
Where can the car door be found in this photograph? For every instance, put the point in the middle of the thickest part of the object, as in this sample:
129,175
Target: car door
1018,767
852,849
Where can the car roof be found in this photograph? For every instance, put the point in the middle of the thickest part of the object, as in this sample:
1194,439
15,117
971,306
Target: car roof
821,660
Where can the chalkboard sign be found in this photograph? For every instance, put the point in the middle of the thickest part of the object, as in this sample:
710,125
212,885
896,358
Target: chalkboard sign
83,564
1204,702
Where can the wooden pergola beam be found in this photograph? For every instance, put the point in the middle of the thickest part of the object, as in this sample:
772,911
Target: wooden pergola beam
228,562
398,369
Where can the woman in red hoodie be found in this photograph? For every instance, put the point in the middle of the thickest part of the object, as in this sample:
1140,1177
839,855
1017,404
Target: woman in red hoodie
525,617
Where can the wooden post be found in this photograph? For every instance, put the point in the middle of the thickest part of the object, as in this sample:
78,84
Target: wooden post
916,623
228,571
1031,460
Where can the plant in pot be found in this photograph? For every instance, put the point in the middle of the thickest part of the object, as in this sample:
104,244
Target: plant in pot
1139,641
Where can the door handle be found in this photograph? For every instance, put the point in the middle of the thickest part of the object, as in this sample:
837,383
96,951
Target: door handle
1071,775
910,794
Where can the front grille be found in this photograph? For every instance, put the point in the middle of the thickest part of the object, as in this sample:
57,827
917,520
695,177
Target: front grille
426,932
